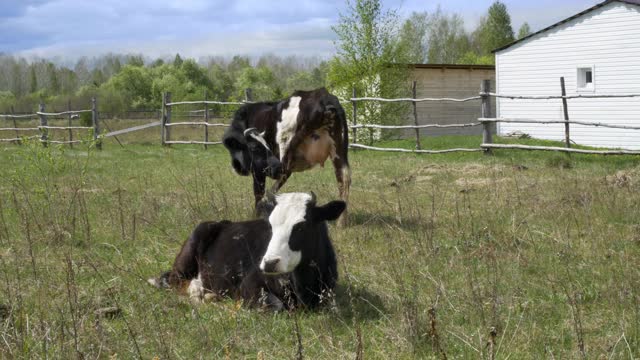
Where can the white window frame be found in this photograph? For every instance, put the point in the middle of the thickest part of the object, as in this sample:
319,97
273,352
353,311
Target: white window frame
581,85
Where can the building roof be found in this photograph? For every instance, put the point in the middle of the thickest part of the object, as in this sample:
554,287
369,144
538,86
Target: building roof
631,2
454,66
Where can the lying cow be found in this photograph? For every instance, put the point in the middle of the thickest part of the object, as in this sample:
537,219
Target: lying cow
275,139
279,263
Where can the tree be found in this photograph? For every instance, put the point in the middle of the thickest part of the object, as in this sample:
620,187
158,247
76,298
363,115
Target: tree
135,60
54,84
134,83
366,53
447,39
412,37
260,80
524,31
495,29
177,61
33,82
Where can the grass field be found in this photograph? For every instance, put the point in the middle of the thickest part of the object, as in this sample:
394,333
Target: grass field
518,255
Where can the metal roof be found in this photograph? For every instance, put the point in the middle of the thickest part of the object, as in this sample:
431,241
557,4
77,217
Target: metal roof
453,66
631,2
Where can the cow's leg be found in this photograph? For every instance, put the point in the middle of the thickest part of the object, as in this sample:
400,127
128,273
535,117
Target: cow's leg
255,291
343,176
280,182
259,181
185,265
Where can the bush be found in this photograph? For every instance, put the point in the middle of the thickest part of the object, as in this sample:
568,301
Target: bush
85,119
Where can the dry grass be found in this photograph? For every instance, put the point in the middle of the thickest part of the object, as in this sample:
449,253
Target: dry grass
457,256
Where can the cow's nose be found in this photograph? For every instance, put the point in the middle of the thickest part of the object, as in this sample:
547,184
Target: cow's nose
270,266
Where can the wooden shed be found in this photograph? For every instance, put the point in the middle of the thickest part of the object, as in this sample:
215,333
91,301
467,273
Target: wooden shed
450,81
597,52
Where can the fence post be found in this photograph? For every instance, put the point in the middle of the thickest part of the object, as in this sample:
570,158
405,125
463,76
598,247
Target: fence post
485,89
163,118
415,115
166,118
44,137
206,120
70,131
96,123
567,139
355,115
15,126
248,95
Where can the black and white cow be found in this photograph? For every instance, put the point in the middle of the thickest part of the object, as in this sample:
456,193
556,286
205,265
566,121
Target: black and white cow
275,139
281,262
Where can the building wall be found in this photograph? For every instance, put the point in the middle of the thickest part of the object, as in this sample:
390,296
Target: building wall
434,81
607,39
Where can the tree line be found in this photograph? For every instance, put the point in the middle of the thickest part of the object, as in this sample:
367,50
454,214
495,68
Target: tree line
373,46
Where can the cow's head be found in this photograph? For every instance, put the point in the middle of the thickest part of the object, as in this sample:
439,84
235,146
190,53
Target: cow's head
294,227
251,153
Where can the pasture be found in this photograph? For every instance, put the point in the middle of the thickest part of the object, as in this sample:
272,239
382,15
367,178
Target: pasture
517,255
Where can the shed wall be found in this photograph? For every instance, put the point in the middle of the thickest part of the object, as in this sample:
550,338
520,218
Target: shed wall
607,39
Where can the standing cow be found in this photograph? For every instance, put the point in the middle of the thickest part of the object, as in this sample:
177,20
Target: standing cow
275,139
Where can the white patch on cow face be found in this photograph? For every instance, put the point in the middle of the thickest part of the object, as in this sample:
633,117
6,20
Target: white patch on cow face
287,124
291,209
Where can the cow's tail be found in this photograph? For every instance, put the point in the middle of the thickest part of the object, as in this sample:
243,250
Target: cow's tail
185,266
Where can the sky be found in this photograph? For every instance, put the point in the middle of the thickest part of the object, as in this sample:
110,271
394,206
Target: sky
70,29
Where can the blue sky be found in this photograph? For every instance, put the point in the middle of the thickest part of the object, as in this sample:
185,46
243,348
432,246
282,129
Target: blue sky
196,28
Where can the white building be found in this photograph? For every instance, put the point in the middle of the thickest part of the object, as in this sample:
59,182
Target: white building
597,52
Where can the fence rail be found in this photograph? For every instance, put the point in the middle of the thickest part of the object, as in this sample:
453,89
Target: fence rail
24,116
20,129
560,149
63,112
557,97
208,102
534,121
416,151
415,100
408,127
200,123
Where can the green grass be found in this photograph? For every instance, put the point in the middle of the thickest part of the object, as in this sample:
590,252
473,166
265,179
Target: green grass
544,248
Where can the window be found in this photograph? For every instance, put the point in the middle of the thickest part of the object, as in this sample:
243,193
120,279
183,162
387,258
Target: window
586,78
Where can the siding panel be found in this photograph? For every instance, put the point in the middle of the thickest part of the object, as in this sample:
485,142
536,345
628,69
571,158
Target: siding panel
606,38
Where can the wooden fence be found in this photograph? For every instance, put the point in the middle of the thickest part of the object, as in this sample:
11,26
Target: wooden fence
486,121
166,123
44,128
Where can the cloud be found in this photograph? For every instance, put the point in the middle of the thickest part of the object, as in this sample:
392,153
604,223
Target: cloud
199,27
72,28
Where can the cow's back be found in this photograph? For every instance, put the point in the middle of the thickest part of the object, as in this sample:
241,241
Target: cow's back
235,253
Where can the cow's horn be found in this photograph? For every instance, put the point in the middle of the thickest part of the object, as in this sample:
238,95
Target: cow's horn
313,197
249,130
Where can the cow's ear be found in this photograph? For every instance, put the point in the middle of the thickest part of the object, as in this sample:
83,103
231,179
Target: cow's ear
328,212
280,106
